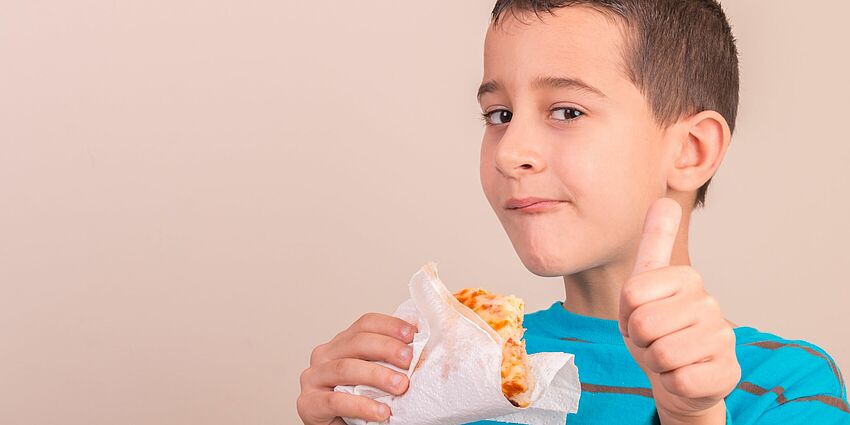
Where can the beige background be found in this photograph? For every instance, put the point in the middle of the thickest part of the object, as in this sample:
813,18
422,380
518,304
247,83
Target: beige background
195,193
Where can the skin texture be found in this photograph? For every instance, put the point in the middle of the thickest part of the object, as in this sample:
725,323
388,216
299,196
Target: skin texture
620,239
610,166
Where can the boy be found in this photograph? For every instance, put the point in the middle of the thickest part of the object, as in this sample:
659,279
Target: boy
605,121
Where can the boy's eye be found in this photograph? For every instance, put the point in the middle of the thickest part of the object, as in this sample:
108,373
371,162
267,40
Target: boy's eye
566,114
503,116
499,116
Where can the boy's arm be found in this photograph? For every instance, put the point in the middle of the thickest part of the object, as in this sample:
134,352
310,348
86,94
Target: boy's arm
675,330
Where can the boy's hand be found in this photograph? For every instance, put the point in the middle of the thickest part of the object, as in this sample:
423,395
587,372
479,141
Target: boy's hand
675,330
346,360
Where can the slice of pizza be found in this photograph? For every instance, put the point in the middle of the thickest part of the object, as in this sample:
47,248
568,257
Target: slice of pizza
504,314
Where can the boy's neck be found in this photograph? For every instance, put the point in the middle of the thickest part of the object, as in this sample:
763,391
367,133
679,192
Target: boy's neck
596,292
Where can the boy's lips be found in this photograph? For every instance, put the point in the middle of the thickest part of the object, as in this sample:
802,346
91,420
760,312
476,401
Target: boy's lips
531,204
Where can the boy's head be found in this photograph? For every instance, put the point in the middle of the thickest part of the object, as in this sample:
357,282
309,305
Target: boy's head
606,105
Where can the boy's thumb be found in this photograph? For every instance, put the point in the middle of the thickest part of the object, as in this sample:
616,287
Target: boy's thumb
659,235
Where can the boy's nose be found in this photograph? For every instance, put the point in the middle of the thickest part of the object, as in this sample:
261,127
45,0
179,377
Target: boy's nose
517,154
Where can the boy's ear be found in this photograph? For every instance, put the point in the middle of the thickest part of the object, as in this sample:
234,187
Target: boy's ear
701,144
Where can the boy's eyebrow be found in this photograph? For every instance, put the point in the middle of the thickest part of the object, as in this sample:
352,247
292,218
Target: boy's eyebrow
488,87
545,82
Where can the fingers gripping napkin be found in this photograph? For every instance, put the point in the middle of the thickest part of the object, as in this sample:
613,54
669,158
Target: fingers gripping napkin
469,363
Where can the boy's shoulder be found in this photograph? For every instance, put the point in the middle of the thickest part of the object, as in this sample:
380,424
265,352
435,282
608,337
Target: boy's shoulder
791,369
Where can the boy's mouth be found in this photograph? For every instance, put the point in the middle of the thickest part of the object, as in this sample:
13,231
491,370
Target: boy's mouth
532,204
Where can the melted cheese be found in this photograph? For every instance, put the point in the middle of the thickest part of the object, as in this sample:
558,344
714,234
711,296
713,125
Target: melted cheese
504,314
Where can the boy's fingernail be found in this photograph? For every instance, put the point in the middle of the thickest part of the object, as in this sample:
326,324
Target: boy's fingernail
382,410
396,380
405,353
406,331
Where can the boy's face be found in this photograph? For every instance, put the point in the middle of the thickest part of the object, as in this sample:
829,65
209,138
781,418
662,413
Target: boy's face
607,164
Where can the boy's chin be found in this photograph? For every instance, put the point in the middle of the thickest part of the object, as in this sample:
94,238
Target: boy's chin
548,253
546,264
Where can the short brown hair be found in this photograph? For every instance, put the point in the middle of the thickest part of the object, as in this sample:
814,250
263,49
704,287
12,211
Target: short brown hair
680,53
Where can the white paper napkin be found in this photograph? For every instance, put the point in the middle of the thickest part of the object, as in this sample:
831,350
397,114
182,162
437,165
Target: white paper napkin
455,373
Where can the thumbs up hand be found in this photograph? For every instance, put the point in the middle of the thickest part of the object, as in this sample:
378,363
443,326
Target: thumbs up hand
675,330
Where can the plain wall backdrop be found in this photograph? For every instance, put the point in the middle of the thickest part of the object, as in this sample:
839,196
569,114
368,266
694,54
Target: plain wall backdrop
196,193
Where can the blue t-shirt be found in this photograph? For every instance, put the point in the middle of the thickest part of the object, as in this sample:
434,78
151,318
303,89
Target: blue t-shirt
782,381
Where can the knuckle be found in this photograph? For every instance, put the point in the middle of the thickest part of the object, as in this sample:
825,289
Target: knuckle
356,343
332,404
679,382
364,319
360,406
631,292
661,357
370,347
712,302
300,406
641,324
735,377
728,336
308,409
342,367
305,378
317,353
379,375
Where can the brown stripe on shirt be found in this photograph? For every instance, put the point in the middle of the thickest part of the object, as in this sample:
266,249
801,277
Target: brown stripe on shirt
773,345
572,339
781,399
829,400
757,390
593,388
